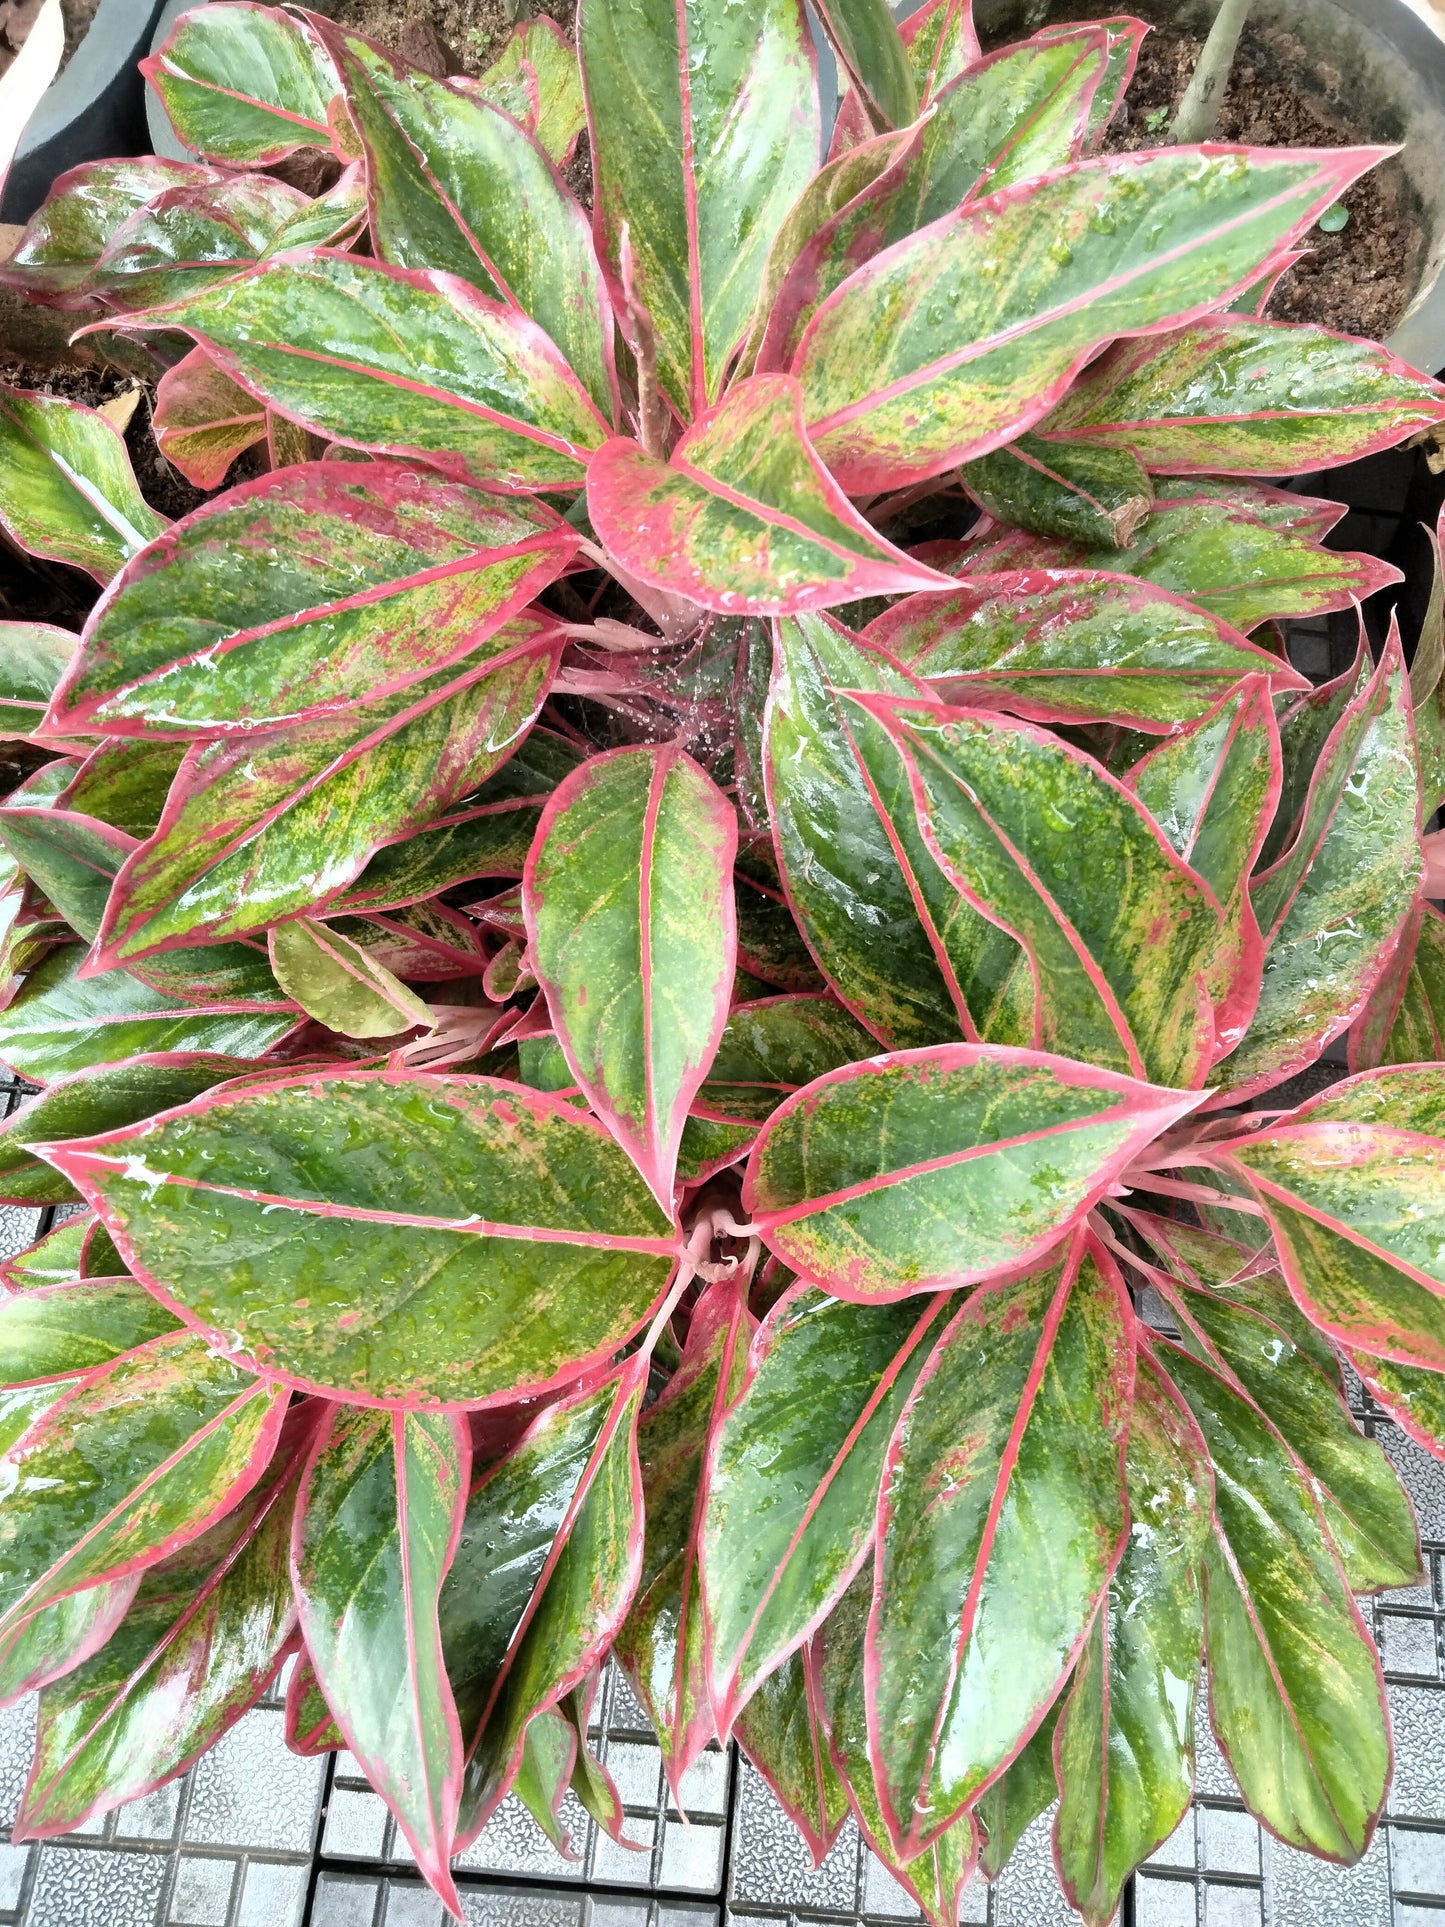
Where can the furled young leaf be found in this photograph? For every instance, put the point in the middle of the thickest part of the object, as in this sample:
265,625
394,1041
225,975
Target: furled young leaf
456,185
62,241
1124,938
200,1642
33,656
773,1047
404,362
704,131
302,595
66,1330
1126,36
1066,646
930,332
339,984
937,1168
1080,494
99,1099
793,1475
871,53
74,859
1333,906
62,1022
1350,1185
203,420
247,85
548,1563
779,1731
489,1243
378,1520
139,1458
66,487
1294,1681
992,1563
743,516
1233,395
549,1750
661,1644
256,829
939,41
904,951
536,80
630,923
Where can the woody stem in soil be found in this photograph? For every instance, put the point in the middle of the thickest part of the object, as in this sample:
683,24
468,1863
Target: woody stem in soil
1199,109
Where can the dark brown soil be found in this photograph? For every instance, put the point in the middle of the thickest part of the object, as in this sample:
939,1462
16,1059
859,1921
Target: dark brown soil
1358,280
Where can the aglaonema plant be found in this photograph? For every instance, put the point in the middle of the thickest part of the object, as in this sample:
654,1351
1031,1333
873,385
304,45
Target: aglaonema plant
664,951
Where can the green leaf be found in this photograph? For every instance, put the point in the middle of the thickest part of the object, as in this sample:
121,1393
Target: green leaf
1098,496
537,81
770,944
906,953
945,1167
1414,1398
1333,906
62,1635
1233,395
138,1459
1417,1035
1026,1788
186,239
778,1730
61,1022
771,1049
67,1330
33,656
202,1639
1073,646
124,782
743,516
660,1645
247,85
203,420
1126,1739
939,41
53,1260
316,591
993,1559
1295,1691
629,919
379,1517
66,487
704,130
548,1563
258,829
74,859
794,1469
336,982
932,332
1304,729
385,358
456,186
871,53
311,1729
55,257
487,1242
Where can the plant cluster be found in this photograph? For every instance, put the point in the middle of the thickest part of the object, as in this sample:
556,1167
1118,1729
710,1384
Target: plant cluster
662,950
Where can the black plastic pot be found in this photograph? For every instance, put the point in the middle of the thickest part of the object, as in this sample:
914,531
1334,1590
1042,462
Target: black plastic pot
94,111
1383,65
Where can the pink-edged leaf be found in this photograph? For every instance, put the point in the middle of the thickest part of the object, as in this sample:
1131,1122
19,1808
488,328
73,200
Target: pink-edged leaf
183,240
968,1641
341,985
63,1635
1074,646
55,256
357,583
939,41
203,420
743,518
311,1729
1417,1028
500,1246
247,86
631,928
1232,395
781,1734
67,490
661,1644
924,1170
73,858
537,81
378,1522
64,1330
33,656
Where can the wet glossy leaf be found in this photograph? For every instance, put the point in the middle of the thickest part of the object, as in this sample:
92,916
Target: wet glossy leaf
974,1623
1073,647
53,1260
629,919
203,420
484,1241
200,1642
378,1521
405,363
57,252
1294,1681
1125,1745
1233,395
33,656
66,487
124,783
871,53
661,1644
700,207
61,1022
65,1634
193,235
793,1475
1026,1788
744,517
66,1330
939,41
537,81
455,185
1417,1035
311,1728
74,859
339,984
247,85
773,1047
779,1731
305,594
929,332
936,1168
1080,494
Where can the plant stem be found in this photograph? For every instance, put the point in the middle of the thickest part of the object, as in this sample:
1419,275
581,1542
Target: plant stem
1199,109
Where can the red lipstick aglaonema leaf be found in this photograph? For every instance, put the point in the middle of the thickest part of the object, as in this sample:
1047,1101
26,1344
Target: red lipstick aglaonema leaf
247,88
